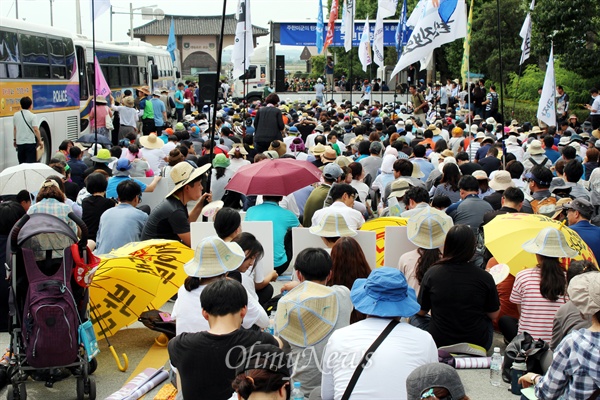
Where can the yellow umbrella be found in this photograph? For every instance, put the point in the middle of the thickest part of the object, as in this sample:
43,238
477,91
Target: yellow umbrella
167,257
505,235
120,291
378,225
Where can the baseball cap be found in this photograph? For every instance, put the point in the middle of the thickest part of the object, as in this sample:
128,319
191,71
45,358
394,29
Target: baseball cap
332,171
584,207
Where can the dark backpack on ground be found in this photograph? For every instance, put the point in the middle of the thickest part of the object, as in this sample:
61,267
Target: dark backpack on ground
50,319
525,346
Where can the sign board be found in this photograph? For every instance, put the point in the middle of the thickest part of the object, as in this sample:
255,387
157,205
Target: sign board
263,230
396,244
305,33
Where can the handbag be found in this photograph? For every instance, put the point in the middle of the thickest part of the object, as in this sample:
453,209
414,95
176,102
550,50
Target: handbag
109,122
525,346
39,148
365,360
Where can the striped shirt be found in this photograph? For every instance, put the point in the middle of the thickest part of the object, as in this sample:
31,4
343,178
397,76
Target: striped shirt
537,312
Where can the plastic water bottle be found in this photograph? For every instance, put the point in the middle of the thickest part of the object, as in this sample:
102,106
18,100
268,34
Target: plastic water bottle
271,328
297,393
496,368
518,369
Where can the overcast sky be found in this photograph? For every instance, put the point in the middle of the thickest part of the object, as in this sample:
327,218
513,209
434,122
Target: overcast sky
263,11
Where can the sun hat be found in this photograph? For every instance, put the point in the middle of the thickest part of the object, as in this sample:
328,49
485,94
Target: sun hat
487,139
399,188
103,156
514,122
550,242
572,116
343,161
480,175
214,257
446,161
318,149
278,146
271,154
307,314
297,145
474,129
584,207
145,90
511,140
263,356
535,147
446,153
183,173
480,135
490,121
128,101
332,225
319,128
332,171
151,141
239,148
188,118
575,138
436,131
477,118
499,272
564,140
156,93
434,375
584,292
221,161
417,173
536,129
49,183
501,181
385,293
560,206
428,228
328,156
179,126
293,131
101,99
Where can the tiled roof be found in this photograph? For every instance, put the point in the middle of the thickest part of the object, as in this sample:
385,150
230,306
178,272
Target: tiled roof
193,26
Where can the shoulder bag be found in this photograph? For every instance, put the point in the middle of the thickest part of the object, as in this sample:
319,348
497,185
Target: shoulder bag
39,149
365,360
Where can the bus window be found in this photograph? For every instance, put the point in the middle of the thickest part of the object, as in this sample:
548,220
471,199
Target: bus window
250,73
113,77
124,59
57,58
36,71
125,77
9,55
135,76
70,57
34,49
84,91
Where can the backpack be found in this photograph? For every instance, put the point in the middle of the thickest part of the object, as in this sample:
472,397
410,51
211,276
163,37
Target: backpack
494,103
426,107
50,318
524,346
543,163
545,206
171,102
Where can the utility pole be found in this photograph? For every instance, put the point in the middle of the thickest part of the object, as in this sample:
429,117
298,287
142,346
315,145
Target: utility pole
17,9
51,13
78,16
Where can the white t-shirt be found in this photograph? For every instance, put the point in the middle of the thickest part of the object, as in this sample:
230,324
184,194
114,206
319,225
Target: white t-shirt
187,312
354,218
155,159
405,349
237,163
25,135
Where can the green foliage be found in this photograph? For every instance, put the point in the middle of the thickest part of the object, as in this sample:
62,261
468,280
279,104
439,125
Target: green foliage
533,78
525,110
318,65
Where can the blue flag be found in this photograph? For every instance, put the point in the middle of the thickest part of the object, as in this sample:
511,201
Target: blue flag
403,31
320,28
171,44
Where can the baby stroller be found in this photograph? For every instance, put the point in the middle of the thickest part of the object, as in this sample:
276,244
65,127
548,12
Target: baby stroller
47,307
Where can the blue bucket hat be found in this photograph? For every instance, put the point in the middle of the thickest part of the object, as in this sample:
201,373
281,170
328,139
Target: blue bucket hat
385,293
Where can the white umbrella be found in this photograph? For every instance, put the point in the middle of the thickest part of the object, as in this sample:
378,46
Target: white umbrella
24,176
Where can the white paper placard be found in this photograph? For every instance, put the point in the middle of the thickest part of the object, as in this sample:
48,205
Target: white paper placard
302,239
263,230
396,244
156,197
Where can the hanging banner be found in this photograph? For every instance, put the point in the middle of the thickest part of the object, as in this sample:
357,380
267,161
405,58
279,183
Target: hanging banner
304,34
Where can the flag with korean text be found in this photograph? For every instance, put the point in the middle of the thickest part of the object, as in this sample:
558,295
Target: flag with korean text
320,28
243,46
364,48
547,108
102,88
348,23
333,14
441,22
526,35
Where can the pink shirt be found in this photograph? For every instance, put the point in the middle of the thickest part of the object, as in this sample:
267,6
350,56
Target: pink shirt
102,112
537,312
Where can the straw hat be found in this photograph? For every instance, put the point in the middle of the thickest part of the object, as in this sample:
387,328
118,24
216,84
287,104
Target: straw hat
100,99
501,181
560,206
584,292
103,156
332,225
151,141
480,135
343,161
329,155
550,242
535,147
238,147
399,188
128,101
428,228
318,149
183,173
278,146
214,257
536,129
307,314
145,90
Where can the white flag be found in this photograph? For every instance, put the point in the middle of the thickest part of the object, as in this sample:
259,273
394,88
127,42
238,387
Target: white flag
417,13
547,107
387,8
100,7
526,35
364,48
243,39
437,26
378,39
348,24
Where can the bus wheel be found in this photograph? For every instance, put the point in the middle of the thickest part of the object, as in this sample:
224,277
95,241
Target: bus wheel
45,157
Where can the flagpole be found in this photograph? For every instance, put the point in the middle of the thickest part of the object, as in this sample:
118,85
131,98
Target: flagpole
500,59
94,81
470,117
216,95
246,66
351,75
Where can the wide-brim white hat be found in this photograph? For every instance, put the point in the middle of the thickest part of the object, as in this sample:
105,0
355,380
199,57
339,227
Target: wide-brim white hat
214,257
151,141
550,242
428,228
332,225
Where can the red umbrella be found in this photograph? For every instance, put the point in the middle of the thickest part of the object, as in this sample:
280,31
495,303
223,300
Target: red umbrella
278,177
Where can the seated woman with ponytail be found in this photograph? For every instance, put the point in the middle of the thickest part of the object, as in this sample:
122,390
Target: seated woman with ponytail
262,373
540,291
